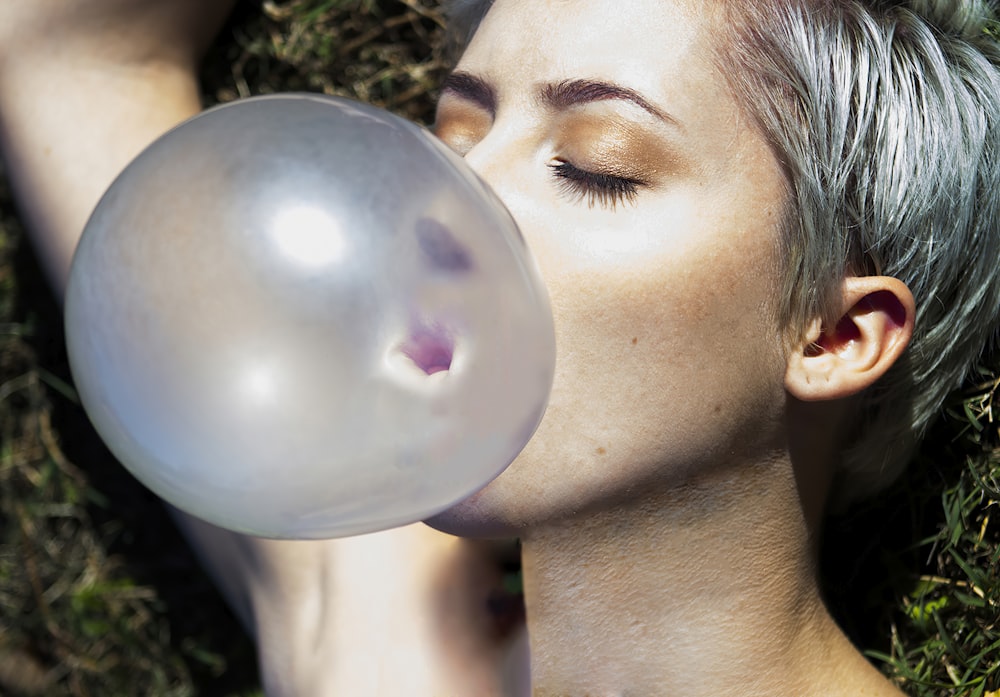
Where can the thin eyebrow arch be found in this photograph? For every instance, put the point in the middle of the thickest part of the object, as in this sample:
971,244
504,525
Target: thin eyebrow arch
568,93
472,88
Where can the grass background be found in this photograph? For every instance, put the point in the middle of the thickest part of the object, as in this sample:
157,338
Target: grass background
100,596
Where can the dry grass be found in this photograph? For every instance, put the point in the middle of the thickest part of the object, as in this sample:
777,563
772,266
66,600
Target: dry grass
391,53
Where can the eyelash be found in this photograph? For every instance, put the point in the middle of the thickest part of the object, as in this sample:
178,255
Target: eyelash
607,190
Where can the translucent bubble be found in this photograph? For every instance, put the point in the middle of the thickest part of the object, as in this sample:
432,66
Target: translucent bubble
299,316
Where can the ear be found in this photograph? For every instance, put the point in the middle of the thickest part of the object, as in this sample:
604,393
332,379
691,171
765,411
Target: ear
874,328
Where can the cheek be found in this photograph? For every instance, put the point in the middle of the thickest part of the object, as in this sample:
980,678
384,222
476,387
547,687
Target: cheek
666,334
668,354
669,358
676,291
654,383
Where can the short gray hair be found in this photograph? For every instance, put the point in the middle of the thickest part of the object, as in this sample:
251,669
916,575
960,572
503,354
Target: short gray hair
886,117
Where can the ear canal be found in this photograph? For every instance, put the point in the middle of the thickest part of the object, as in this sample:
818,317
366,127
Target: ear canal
844,332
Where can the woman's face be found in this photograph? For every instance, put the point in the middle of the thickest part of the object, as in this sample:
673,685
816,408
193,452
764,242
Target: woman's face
652,205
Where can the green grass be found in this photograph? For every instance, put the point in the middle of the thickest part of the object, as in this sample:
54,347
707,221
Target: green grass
100,596
914,575
948,640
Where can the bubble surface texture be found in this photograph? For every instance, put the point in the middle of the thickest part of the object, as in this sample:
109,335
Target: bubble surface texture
300,316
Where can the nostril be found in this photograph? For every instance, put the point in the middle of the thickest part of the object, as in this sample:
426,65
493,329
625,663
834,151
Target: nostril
430,349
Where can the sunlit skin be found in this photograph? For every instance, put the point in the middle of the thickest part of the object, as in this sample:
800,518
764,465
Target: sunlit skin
656,237
669,501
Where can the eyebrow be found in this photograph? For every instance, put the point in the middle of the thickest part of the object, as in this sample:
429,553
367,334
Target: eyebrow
568,93
472,88
560,95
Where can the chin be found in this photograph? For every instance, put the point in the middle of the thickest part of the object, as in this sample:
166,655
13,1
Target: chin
471,517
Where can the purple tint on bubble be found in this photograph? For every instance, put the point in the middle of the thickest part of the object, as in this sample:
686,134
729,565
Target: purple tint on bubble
441,248
430,348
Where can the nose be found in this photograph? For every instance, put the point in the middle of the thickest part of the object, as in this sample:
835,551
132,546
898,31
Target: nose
495,158
507,162
482,158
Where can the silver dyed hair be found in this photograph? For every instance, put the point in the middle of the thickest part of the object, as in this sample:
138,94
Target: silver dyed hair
886,117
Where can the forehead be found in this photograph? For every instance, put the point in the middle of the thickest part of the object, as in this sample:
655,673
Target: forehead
660,48
587,33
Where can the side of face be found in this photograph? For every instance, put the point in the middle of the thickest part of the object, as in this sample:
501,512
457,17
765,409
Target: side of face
652,206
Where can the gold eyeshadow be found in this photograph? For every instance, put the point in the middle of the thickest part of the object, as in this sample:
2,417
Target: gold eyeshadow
614,145
461,124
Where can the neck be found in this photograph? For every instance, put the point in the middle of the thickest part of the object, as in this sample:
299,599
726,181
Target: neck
710,587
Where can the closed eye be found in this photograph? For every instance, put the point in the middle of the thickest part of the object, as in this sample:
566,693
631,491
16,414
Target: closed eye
606,190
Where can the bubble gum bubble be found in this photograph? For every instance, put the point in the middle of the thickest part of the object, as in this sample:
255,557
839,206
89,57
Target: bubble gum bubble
301,317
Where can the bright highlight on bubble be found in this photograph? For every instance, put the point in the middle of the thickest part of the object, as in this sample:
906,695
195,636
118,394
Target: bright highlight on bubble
308,236
299,316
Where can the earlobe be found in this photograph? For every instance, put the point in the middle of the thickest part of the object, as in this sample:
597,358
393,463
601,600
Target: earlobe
873,330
